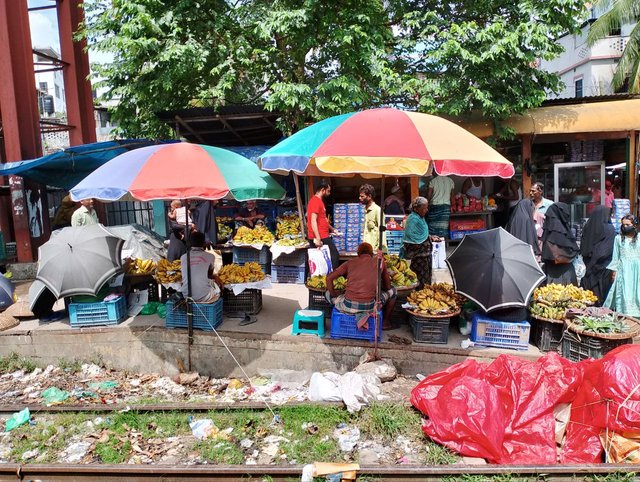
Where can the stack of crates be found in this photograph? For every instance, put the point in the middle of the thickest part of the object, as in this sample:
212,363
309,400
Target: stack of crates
621,207
245,254
349,220
289,268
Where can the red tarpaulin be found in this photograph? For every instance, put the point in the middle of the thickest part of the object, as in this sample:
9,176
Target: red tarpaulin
503,411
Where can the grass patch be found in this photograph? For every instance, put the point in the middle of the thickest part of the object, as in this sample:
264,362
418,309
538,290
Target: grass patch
113,451
223,452
45,437
150,424
72,366
15,362
616,477
494,478
388,420
438,454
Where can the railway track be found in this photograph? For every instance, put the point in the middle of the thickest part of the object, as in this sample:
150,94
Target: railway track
112,473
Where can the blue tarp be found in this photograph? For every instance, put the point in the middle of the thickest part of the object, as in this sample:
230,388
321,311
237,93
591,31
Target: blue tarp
67,168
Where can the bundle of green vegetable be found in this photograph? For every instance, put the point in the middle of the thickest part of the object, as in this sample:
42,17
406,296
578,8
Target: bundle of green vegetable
610,323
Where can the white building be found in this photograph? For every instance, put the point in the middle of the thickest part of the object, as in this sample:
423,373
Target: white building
588,71
49,82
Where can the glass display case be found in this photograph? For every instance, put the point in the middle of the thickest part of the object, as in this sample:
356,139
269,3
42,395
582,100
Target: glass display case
580,185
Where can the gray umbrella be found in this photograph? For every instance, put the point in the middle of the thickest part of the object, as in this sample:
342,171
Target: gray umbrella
79,260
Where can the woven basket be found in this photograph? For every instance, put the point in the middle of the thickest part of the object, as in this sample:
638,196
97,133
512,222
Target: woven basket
7,321
405,290
632,323
548,320
435,317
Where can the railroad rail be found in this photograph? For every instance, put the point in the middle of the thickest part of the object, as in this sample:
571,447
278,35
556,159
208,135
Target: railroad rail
143,473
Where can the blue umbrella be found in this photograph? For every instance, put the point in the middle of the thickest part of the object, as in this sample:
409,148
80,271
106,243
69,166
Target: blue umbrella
6,292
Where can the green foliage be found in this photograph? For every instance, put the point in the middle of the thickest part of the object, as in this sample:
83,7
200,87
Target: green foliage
621,12
310,60
616,477
15,362
388,420
439,455
220,452
70,365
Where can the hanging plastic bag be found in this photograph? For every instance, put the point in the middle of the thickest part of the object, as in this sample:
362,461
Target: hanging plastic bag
319,261
579,266
217,259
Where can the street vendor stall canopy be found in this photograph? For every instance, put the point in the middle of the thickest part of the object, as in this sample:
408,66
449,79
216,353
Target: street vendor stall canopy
385,142
66,168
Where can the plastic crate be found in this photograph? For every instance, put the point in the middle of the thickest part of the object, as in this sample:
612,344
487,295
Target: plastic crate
394,241
546,335
399,315
100,313
242,255
287,274
344,326
580,347
298,259
317,301
249,301
500,334
206,316
461,234
429,330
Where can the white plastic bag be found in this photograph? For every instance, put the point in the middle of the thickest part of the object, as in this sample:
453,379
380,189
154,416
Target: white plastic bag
324,387
579,266
438,255
319,261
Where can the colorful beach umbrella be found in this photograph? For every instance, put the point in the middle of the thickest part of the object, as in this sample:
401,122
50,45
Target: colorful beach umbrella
385,142
178,171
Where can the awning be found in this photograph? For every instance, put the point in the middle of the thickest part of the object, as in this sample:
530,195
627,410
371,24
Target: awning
610,116
67,168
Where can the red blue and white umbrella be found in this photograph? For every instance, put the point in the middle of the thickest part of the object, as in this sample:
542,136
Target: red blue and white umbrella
178,171
385,142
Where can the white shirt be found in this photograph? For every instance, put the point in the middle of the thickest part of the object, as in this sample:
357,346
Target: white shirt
202,288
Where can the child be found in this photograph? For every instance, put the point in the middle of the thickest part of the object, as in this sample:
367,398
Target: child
180,214
624,296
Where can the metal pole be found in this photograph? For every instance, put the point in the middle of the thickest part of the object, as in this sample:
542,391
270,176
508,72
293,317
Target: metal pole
381,228
187,240
303,226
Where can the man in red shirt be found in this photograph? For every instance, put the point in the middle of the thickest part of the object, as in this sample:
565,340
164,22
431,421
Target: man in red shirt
318,225
362,283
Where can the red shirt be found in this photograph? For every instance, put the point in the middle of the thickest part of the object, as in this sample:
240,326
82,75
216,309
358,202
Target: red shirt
362,278
317,206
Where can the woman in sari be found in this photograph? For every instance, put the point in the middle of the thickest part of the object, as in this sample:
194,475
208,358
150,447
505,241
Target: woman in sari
596,248
416,243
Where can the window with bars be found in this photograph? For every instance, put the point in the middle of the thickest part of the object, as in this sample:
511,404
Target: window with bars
130,212
578,85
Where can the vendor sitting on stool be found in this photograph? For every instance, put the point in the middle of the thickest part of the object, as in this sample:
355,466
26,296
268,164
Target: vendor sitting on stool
249,216
362,283
205,286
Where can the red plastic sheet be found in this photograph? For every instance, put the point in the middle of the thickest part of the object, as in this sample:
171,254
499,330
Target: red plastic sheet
503,411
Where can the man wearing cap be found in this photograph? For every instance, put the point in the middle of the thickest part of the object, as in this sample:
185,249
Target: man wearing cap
85,215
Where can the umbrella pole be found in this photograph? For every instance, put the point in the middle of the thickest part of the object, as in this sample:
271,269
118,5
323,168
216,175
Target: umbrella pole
187,239
381,228
296,182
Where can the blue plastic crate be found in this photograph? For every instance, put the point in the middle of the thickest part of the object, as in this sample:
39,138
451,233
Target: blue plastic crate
344,326
298,259
287,274
394,241
462,234
500,334
206,316
96,314
242,256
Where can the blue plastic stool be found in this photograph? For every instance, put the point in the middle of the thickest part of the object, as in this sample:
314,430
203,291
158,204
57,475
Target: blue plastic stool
308,316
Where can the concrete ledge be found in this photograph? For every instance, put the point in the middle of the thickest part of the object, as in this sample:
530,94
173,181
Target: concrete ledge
160,350
23,271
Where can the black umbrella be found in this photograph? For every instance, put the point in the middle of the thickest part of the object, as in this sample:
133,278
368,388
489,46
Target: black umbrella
495,269
6,292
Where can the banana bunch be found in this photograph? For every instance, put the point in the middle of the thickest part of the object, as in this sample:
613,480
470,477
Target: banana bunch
399,271
319,282
224,232
234,274
257,235
224,219
288,225
553,300
436,299
293,241
168,272
141,266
